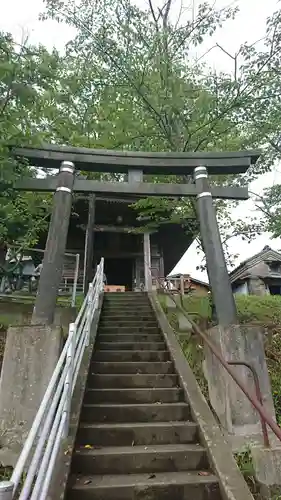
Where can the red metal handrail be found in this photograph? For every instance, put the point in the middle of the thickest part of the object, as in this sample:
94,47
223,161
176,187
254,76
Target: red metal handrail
258,394
257,402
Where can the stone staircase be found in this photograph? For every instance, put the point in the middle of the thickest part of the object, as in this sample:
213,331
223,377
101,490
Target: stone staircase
136,439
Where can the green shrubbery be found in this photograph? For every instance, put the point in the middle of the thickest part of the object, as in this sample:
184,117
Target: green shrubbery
265,311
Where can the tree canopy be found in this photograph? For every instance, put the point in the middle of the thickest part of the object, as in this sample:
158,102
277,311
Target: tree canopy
129,80
26,73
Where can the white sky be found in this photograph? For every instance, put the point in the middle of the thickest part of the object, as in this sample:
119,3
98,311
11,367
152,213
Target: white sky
20,17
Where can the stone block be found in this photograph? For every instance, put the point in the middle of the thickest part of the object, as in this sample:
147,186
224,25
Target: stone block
21,313
30,356
184,323
170,304
256,286
235,412
267,467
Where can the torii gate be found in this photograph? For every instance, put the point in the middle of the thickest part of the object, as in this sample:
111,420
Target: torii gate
197,165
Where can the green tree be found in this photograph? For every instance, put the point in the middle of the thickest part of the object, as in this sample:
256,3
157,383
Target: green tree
149,93
26,74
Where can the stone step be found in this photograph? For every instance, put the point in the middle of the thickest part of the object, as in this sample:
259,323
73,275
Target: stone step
131,346
134,367
154,412
124,322
139,303
126,301
117,336
109,381
131,356
141,459
124,311
160,486
130,434
149,330
126,306
154,395
125,294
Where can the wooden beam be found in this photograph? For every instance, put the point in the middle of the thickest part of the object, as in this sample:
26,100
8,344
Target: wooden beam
50,156
100,228
89,245
138,189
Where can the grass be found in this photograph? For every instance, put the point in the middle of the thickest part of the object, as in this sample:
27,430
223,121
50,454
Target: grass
264,311
191,346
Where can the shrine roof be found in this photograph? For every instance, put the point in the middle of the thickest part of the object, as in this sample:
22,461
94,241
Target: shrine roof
156,163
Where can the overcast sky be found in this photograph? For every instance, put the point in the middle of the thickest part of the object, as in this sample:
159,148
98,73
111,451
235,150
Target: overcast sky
20,17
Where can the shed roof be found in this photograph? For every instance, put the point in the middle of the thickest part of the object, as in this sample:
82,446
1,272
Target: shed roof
242,271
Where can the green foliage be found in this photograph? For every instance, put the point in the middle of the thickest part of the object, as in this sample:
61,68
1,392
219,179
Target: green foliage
25,76
265,311
134,85
192,348
244,462
273,351
270,204
130,81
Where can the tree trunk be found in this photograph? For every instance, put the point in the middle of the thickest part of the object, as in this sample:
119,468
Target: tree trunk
3,251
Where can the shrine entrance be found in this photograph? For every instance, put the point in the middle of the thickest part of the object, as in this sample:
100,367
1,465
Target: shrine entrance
160,251
119,271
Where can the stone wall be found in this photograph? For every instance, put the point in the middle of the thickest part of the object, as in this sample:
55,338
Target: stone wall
257,286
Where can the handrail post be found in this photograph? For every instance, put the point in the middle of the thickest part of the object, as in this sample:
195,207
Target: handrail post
89,313
252,369
182,285
69,377
76,275
6,490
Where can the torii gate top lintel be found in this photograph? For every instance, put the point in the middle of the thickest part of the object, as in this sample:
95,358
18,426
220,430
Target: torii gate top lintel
157,163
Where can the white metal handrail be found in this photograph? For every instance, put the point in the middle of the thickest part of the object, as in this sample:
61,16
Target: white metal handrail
51,424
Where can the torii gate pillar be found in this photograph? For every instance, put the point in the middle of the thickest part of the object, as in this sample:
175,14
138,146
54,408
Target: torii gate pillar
45,303
216,265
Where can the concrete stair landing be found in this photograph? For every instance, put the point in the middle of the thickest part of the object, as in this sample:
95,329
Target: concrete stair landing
136,438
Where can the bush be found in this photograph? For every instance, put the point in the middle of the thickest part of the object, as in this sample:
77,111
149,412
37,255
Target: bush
265,310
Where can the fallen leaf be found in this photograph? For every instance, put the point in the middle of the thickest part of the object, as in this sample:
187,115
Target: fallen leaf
88,446
203,473
88,481
68,450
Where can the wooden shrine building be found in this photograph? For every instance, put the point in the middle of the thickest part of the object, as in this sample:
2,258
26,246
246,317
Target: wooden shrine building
116,236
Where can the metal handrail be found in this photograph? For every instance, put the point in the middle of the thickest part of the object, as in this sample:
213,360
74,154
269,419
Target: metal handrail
250,367
257,402
51,424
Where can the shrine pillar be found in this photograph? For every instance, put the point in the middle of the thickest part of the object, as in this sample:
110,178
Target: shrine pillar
147,262
89,245
235,343
212,246
50,278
